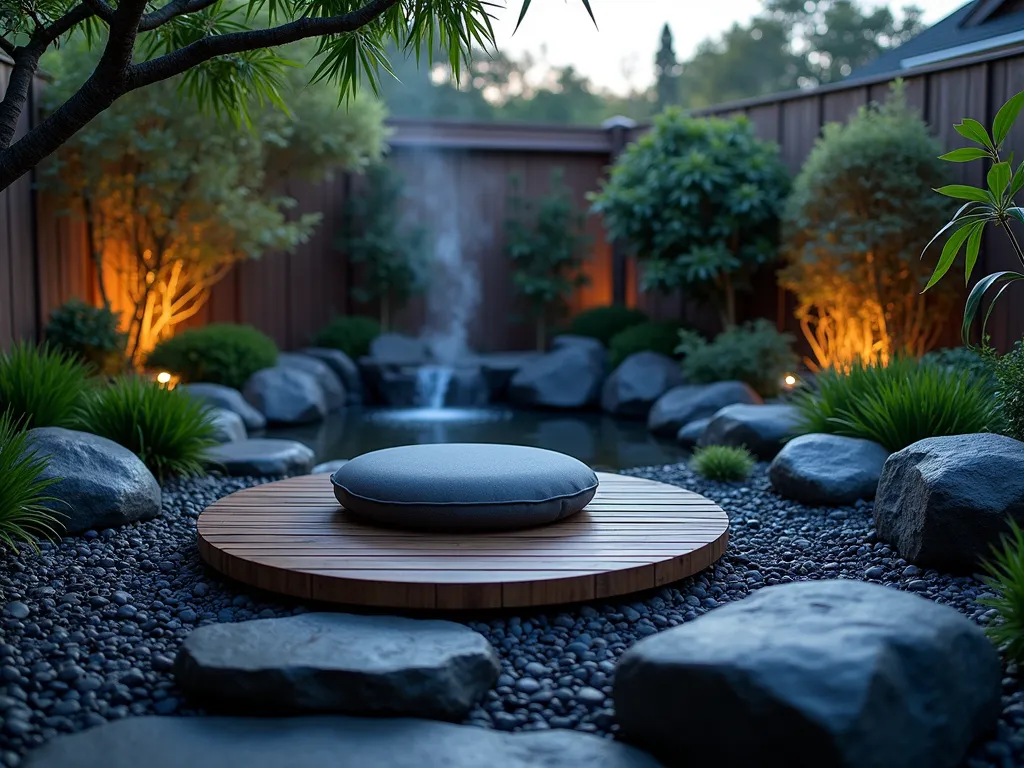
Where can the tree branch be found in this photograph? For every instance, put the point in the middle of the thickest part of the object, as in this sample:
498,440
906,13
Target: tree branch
173,9
7,47
63,25
183,59
102,9
16,96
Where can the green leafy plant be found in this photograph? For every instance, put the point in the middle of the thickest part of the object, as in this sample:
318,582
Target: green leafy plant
897,404
391,254
859,214
545,241
352,334
724,463
220,353
168,430
697,200
41,386
1009,388
602,323
992,205
979,363
25,506
89,333
1005,577
661,337
756,353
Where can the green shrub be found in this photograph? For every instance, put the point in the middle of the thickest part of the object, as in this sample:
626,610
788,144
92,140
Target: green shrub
1005,577
697,200
24,503
896,404
42,387
353,335
220,353
861,211
1009,389
756,353
90,334
979,364
662,337
166,428
603,323
724,463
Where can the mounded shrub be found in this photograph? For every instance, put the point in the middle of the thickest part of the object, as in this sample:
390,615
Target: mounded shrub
89,333
42,387
168,430
897,404
861,211
651,336
1009,389
24,499
352,334
755,353
219,353
603,323
724,463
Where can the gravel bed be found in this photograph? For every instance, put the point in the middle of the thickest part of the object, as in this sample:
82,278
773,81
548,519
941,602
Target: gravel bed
90,627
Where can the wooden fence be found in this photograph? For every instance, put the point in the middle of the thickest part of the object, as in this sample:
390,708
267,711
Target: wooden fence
457,174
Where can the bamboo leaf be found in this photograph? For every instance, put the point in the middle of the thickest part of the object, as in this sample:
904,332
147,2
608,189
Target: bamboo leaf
964,192
977,294
1006,117
949,253
998,179
973,247
957,221
975,131
964,155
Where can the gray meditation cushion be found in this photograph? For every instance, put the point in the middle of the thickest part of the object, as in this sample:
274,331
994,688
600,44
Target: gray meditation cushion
464,486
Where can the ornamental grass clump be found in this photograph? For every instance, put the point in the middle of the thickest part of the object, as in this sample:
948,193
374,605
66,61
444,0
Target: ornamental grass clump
897,404
25,504
169,431
723,463
41,386
1005,577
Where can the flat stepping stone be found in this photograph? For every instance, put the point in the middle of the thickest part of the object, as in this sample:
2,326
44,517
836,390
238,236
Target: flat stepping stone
336,662
262,457
835,673
325,742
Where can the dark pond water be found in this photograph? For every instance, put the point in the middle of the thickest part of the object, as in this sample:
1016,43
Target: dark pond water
596,439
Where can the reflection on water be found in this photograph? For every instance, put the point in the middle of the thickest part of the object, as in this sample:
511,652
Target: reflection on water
598,440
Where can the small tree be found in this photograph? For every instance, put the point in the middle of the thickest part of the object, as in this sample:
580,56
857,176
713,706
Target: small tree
698,201
392,253
860,213
172,198
547,246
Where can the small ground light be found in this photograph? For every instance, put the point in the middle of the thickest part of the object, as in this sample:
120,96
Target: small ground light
790,380
165,378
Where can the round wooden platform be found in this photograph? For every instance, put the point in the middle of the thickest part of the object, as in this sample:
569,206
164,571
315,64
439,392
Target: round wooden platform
293,537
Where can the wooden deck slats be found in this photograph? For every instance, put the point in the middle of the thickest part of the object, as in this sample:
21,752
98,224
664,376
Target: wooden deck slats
292,537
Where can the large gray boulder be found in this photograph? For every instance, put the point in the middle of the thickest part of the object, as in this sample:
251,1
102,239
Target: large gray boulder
262,457
229,399
762,429
631,389
943,502
100,484
819,673
399,348
689,434
592,347
334,391
569,377
689,402
344,367
336,662
228,426
325,742
828,469
286,396
499,368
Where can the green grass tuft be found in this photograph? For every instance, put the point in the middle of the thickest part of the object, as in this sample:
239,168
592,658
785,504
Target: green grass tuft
168,430
898,404
1005,577
24,503
723,463
41,386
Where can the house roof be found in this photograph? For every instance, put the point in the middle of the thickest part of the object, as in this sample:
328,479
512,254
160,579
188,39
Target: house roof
977,26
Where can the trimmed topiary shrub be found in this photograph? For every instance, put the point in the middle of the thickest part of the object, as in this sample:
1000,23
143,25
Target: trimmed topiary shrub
897,404
861,211
89,333
724,463
756,353
42,387
24,497
352,334
219,353
168,430
698,202
603,323
652,336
